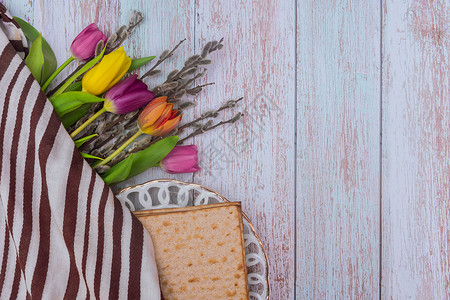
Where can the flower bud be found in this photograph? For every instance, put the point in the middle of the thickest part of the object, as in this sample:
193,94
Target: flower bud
158,118
107,73
127,96
83,46
182,159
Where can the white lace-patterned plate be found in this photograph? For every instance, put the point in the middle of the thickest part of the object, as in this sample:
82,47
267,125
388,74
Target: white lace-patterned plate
166,193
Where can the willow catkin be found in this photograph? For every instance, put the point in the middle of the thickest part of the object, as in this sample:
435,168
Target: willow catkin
192,59
99,47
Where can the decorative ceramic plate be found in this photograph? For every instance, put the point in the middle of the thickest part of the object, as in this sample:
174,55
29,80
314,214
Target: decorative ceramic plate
166,193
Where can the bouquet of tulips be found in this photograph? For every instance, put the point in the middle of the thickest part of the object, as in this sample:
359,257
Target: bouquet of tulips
120,126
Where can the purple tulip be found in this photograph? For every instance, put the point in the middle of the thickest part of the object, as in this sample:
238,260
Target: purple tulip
127,96
83,46
182,159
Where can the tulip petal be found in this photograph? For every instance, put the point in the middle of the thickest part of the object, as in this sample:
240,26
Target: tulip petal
107,73
159,99
149,115
171,124
165,115
122,87
84,44
182,159
132,101
126,63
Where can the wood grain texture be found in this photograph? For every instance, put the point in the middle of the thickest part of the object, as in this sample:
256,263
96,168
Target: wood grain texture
253,161
416,140
321,82
338,119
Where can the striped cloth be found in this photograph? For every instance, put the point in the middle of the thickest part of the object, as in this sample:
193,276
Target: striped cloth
12,30
64,235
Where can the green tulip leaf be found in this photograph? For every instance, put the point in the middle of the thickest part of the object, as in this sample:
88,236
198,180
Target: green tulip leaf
75,87
35,59
83,140
140,62
68,102
139,162
72,117
49,63
85,155
120,171
151,156
30,32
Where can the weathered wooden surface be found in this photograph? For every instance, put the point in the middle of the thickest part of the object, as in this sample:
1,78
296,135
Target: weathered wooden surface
341,215
416,140
253,161
338,117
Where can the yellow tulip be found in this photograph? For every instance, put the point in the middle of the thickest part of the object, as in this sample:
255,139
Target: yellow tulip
107,73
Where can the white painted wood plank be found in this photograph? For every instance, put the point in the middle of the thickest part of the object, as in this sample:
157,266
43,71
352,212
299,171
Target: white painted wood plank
253,161
338,152
416,140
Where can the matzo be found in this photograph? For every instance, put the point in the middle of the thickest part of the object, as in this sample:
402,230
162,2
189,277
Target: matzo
199,251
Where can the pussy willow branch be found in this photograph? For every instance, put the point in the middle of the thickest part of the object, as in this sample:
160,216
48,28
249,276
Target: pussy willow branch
165,55
178,81
204,129
174,94
228,104
201,129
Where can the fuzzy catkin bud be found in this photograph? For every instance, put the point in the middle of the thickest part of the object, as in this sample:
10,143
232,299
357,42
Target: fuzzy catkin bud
164,54
153,72
124,35
167,86
195,90
121,30
207,125
189,72
172,74
205,62
187,104
179,94
99,47
102,169
208,114
230,104
192,59
131,114
118,158
201,74
236,118
112,38
205,50
214,44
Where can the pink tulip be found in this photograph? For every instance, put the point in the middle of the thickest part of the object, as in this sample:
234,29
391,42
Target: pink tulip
83,46
182,159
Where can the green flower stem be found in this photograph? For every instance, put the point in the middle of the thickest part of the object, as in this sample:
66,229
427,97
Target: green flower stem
89,121
77,74
114,154
50,79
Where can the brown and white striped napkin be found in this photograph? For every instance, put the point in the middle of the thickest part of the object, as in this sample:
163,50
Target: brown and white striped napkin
63,234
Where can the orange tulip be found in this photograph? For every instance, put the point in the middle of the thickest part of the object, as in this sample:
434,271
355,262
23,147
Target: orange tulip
158,118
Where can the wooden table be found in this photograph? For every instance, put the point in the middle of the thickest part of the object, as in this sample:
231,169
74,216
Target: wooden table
342,159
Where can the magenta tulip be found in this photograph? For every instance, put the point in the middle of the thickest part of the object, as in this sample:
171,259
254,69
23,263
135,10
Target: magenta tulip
127,96
182,159
83,46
